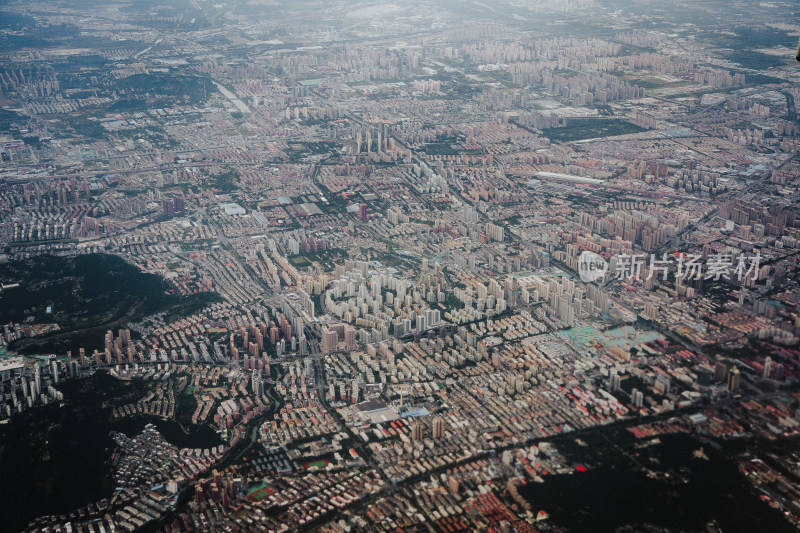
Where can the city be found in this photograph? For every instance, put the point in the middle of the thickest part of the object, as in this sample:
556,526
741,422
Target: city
437,265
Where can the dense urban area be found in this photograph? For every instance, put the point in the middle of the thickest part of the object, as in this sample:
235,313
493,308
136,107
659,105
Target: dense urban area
446,265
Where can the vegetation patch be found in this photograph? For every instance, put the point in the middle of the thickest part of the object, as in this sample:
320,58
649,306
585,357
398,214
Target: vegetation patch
578,129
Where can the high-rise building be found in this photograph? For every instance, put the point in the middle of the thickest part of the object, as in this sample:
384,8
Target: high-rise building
54,370
330,340
168,206
662,385
615,382
438,427
497,361
733,379
416,432
637,397
767,368
720,370
350,337
257,384
452,485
